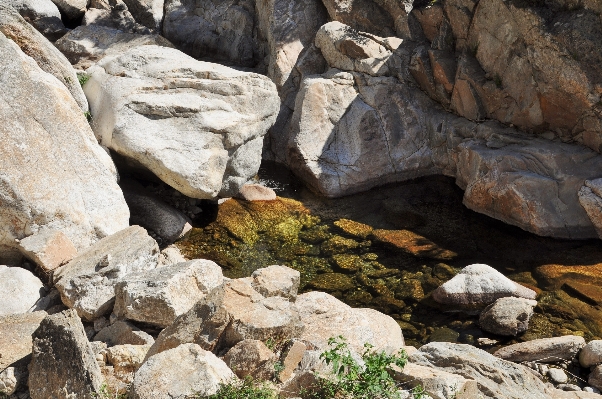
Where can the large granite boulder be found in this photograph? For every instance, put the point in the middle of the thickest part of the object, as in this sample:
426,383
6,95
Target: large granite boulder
199,127
54,173
19,290
147,12
590,198
543,350
44,15
591,354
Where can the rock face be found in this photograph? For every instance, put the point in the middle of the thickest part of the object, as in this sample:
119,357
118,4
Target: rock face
545,350
591,354
478,285
55,174
158,296
19,290
495,378
15,336
48,248
251,358
437,383
507,316
123,333
590,198
324,317
87,283
72,9
42,14
202,135
276,280
180,372
147,12
63,364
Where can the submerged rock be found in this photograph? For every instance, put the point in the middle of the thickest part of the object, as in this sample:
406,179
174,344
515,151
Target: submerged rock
507,316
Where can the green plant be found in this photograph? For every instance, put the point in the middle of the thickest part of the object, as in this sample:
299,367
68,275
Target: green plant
243,389
104,392
278,368
83,79
88,116
270,343
418,392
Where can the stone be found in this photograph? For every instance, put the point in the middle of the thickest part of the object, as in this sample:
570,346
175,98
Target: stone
15,336
9,381
364,15
595,377
170,256
256,192
479,284
557,376
63,360
590,198
46,158
48,248
412,243
436,383
507,316
46,55
591,354
42,14
180,372
123,333
159,296
87,283
116,17
251,358
19,290
324,317
72,9
291,358
496,378
276,280
202,135
87,44
544,350
126,358
147,12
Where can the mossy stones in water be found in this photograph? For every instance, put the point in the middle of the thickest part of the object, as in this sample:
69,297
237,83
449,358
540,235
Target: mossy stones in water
358,297
412,243
338,245
330,282
353,228
410,289
348,263
287,230
444,334
315,234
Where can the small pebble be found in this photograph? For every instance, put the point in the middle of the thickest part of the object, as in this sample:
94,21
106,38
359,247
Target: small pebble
557,375
543,369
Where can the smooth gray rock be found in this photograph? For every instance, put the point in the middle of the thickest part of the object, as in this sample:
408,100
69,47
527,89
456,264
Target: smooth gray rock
19,290
590,198
147,12
63,360
42,14
591,354
557,376
595,377
507,316
544,350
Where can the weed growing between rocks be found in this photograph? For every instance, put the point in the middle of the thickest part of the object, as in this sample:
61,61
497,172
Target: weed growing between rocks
104,392
243,389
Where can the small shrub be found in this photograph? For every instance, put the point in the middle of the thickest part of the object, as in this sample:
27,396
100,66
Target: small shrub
83,79
107,393
278,368
244,389
88,116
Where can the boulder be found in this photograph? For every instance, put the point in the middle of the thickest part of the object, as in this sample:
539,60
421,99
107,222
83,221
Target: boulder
15,336
325,317
55,174
159,296
147,12
115,16
202,135
256,192
72,9
126,358
87,283
436,383
507,316
48,248
590,198
591,354
9,380
595,377
557,376
63,360
478,285
496,378
276,280
170,256
87,44
252,358
19,290
123,333
364,15
544,350
291,356
42,14
183,371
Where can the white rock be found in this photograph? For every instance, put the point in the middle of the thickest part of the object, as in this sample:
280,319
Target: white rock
276,280
19,290
42,14
9,380
558,376
123,333
72,9
591,354
437,383
170,256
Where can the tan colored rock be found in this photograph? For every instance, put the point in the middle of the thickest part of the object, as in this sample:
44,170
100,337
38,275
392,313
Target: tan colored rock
15,336
48,248
276,280
291,357
19,290
72,9
251,358
591,354
170,256
256,192
430,18
126,358
544,350
9,380
123,333
42,14
436,383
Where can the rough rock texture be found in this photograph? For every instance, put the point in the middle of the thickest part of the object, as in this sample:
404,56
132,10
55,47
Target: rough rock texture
366,15
479,284
54,172
123,333
72,9
19,290
158,296
85,45
42,14
496,378
251,358
15,336
115,16
436,383
590,198
63,364
591,354
126,358
507,316
544,350
276,280
180,372
290,358
170,256
324,317
35,45
87,283
202,135
9,380
595,377
147,12
48,248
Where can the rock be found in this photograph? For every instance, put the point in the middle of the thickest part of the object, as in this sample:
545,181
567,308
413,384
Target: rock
72,9
87,283
42,14
591,354
590,198
15,336
256,192
123,333
19,290
291,357
570,388
48,58
159,296
412,243
147,12
324,317
63,360
85,45
544,350
591,389
48,248
251,358
495,378
180,372
558,376
116,17
170,256
479,284
436,383
126,358
507,316
363,15
595,377
133,112
9,380
276,280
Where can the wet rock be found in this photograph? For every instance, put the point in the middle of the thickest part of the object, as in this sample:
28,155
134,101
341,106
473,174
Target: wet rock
15,336
348,263
507,316
479,284
276,280
544,350
354,228
19,290
496,378
251,358
338,245
591,354
159,296
48,248
182,371
436,383
412,243
42,14
87,283
242,106
558,376
123,333
324,317
332,282
256,192
63,360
